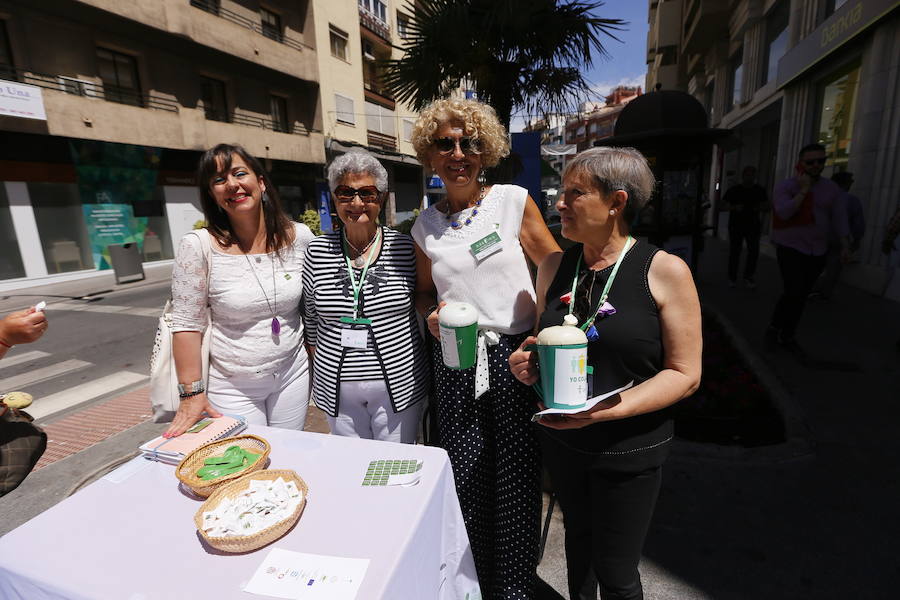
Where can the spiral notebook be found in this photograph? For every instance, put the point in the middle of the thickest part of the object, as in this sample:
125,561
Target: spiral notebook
173,450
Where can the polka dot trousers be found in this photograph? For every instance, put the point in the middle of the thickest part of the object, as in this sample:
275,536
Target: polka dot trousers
496,465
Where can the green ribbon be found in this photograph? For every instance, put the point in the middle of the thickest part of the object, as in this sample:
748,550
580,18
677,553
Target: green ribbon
233,460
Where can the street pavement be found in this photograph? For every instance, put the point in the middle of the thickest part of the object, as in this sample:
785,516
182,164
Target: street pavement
775,522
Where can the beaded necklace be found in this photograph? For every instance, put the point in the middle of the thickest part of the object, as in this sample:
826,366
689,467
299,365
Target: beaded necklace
456,224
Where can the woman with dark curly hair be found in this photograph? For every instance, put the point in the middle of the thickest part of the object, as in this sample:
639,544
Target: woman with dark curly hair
251,288
483,413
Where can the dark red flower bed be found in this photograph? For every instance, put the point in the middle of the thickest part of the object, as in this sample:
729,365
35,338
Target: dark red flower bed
731,407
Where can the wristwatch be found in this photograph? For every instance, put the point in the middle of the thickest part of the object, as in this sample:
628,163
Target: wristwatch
192,389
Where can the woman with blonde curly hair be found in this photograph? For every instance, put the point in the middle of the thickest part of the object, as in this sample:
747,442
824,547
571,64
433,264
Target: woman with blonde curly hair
483,413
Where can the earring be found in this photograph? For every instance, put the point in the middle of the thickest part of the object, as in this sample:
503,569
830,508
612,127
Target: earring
612,211
482,178
265,198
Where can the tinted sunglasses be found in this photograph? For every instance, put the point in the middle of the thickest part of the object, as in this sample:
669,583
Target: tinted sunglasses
467,145
814,161
367,193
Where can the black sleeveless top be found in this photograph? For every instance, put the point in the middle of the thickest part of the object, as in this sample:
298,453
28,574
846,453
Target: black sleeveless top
629,348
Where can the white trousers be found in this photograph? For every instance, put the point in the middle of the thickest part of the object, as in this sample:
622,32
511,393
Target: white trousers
277,400
366,412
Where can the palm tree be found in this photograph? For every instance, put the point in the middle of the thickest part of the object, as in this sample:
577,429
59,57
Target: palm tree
517,54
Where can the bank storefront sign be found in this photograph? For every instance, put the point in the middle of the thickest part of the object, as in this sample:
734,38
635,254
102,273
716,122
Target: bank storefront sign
18,100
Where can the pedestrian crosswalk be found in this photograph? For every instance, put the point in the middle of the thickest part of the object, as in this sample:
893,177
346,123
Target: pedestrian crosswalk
136,311
46,368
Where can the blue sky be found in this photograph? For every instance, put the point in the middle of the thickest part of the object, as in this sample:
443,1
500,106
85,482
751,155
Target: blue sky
626,63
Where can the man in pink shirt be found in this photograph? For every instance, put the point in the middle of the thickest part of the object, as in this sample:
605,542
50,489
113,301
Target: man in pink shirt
806,209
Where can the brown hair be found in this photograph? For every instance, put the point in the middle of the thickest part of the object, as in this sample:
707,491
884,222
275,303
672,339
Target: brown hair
279,229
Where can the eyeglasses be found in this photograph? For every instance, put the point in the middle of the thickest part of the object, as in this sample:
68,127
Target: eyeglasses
814,161
467,145
367,193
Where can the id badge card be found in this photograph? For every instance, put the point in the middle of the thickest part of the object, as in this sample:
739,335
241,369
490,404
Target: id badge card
355,338
486,246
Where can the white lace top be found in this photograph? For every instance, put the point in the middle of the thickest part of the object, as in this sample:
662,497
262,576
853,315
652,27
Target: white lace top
499,286
242,342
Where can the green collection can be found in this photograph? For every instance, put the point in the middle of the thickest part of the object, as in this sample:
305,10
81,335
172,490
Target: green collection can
458,322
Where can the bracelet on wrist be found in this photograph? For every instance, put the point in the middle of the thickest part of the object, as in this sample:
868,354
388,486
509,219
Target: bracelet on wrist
431,309
190,394
5,345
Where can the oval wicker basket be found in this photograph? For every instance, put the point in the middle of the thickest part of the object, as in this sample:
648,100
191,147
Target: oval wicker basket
187,468
248,543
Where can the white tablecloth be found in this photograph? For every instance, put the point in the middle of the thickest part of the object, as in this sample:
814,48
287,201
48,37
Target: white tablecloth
136,540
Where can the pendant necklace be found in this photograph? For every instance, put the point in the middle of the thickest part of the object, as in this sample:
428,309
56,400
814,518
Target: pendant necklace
454,223
276,324
360,259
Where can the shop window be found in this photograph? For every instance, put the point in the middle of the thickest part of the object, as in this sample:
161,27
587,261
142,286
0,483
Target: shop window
271,24
120,77
735,78
278,106
212,92
11,258
339,41
61,226
344,110
837,106
7,67
776,40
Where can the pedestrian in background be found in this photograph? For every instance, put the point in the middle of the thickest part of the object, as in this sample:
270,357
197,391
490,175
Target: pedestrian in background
258,365
371,371
856,222
484,425
807,210
745,203
605,463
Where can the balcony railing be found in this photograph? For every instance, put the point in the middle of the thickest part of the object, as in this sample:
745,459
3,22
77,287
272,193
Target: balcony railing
381,140
90,89
271,125
374,24
213,7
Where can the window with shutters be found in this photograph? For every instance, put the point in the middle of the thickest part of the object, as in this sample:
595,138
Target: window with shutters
344,110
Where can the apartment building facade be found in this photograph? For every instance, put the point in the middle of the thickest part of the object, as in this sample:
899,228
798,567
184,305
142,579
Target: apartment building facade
357,111
784,73
126,97
598,120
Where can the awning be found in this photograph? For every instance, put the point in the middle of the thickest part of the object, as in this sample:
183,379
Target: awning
559,149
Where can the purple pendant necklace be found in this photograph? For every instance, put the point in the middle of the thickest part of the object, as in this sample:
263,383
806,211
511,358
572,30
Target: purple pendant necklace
276,324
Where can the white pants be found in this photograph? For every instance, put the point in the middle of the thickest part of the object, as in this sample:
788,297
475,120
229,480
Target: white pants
366,412
278,400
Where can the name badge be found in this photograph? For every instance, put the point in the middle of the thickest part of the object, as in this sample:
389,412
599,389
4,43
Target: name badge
489,244
354,338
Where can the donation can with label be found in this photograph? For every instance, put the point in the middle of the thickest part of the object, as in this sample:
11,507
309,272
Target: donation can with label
562,356
458,322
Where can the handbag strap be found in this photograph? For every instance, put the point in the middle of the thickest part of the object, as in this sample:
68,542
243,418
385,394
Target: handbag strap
206,244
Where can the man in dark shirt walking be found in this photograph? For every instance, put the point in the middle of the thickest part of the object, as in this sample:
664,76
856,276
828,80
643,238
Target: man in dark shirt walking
745,201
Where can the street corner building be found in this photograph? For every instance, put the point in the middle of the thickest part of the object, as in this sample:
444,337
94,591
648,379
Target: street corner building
105,109
781,74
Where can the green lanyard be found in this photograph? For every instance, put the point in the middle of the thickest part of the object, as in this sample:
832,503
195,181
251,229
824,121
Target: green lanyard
606,287
357,287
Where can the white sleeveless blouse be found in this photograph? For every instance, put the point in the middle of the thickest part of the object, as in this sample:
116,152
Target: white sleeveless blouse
499,286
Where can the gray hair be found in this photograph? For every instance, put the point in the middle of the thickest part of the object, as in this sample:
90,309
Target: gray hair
613,168
357,162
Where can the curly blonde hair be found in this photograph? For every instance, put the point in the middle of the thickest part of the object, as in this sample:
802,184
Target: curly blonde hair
479,121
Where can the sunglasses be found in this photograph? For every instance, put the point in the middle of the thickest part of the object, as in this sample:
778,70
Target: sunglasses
467,145
814,161
368,193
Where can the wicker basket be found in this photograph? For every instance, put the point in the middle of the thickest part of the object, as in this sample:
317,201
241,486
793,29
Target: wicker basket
187,468
248,543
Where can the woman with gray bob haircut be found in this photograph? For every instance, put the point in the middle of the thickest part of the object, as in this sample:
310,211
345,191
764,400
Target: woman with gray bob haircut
370,374
638,306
